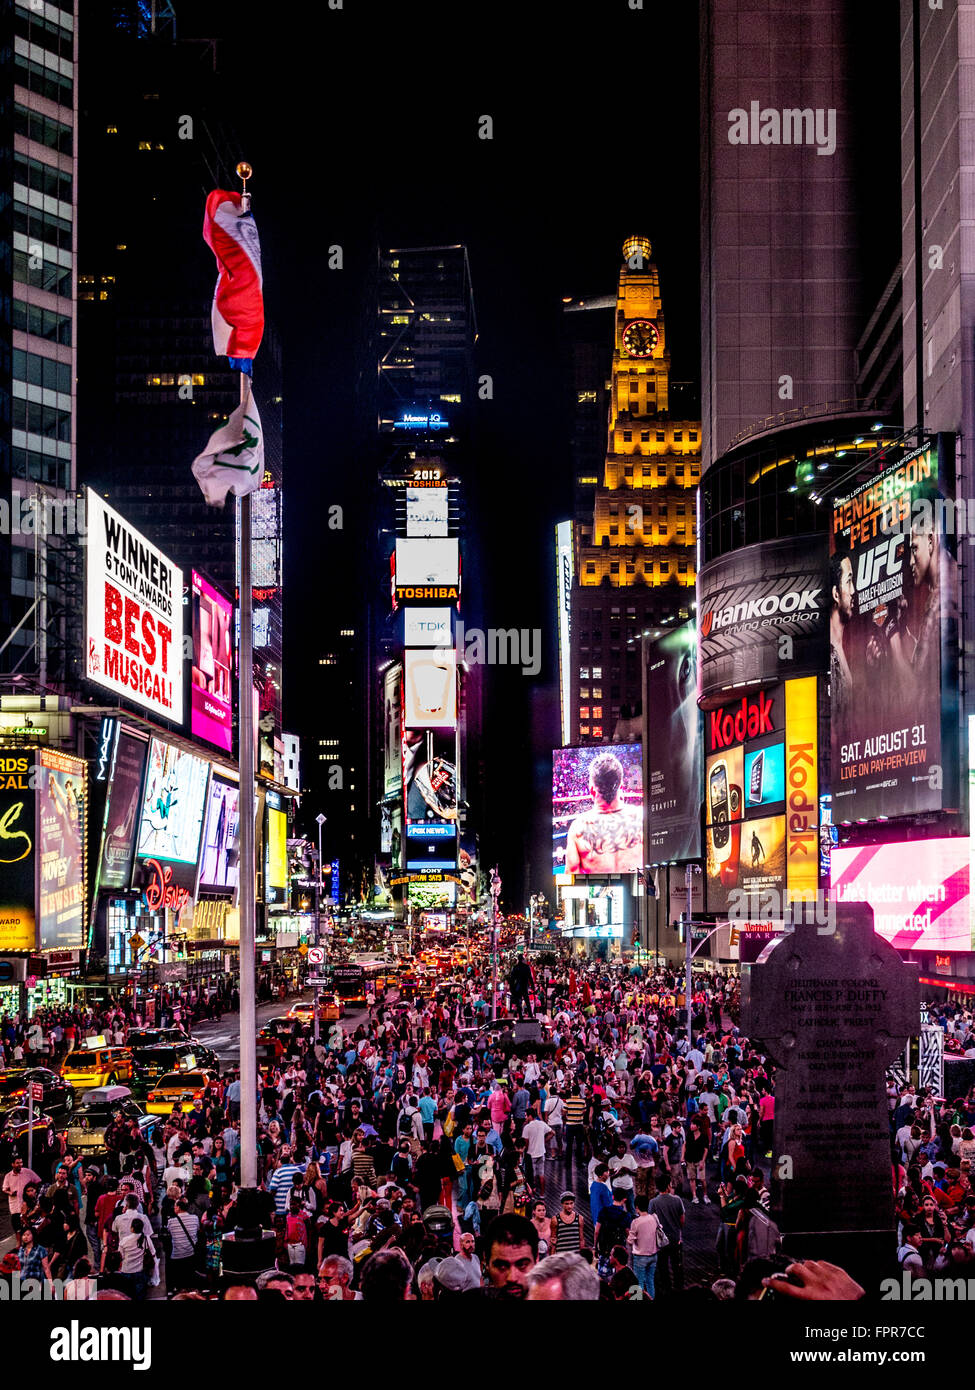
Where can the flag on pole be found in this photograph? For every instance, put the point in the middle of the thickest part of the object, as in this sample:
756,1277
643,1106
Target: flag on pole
233,461
238,301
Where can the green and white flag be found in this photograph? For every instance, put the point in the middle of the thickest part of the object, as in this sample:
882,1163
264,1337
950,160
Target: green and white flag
233,461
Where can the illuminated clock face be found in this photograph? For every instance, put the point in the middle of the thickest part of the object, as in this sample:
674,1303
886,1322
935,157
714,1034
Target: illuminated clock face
639,338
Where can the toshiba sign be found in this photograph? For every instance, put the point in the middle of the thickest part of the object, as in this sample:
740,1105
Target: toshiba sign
133,614
762,616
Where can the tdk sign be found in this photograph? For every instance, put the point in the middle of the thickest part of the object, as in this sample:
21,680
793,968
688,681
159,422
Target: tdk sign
426,627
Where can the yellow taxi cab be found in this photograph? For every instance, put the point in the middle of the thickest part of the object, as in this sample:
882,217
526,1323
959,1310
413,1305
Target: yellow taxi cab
97,1064
182,1086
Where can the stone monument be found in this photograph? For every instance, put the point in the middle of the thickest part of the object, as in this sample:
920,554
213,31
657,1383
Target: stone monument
831,1009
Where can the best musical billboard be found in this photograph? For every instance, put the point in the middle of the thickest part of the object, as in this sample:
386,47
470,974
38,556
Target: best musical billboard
133,614
211,708
125,771
220,857
674,757
893,589
18,930
762,615
172,813
62,800
597,809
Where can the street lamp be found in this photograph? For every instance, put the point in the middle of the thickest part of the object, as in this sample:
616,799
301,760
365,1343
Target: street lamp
320,821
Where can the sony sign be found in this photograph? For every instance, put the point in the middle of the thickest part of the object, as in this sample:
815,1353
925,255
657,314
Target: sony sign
426,627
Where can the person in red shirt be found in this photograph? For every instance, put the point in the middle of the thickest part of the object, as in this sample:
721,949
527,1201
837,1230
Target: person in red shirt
104,1211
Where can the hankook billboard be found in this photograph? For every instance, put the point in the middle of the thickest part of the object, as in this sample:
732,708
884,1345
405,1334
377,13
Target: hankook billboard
761,615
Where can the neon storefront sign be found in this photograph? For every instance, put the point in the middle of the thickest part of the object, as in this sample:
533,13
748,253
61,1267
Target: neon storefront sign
161,892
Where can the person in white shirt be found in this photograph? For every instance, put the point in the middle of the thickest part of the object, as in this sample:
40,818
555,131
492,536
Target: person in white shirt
555,1116
535,1135
532,1070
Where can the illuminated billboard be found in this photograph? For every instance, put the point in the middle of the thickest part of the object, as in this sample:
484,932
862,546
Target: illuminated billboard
893,589
220,857
427,512
133,614
275,849
426,627
125,769
423,562
17,864
597,809
563,580
172,812
918,889
761,781
392,730
430,778
431,688
674,756
62,802
211,709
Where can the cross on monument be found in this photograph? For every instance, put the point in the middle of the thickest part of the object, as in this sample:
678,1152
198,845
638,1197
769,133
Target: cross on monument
832,1010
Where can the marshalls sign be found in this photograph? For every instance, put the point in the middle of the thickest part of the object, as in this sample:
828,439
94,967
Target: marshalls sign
133,614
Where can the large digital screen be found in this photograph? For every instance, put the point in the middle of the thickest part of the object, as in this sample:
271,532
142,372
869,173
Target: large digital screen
674,752
62,798
17,782
893,589
597,809
211,710
427,562
761,796
127,765
430,776
426,627
133,614
431,688
220,859
427,512
172,810
392,730
276,850
919,890
762,615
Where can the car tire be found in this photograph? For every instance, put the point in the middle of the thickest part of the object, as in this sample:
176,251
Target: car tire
112,1080
68,1102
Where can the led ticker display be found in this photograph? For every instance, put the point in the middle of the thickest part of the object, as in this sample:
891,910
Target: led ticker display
597,809
133,614
211,715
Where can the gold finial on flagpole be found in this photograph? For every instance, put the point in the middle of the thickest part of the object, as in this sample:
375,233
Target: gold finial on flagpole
244,172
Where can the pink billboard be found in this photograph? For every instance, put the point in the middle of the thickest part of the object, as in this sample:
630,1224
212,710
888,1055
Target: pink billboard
211,705
919,891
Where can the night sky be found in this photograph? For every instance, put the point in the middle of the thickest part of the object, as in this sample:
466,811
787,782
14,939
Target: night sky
363,123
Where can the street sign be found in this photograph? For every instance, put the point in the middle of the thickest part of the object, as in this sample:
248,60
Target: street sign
316,955
316,981
136,942
36,1092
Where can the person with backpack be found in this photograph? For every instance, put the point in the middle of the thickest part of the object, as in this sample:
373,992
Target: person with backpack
758,1235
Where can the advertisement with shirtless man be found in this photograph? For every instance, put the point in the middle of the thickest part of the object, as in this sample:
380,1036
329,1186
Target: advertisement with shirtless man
605,837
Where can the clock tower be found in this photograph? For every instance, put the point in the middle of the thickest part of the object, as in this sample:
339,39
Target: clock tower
634,565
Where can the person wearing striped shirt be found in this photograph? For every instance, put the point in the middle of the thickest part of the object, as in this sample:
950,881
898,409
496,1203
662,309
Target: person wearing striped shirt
574,1110
279,1184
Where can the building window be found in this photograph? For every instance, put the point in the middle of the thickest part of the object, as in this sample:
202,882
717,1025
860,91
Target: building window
586,397
597,673
597,692
583,711
583,728
661,437
627,436
597,711
645,436
597,731
584,673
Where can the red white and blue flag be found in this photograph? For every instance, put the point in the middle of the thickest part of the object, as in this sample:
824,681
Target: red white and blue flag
238,301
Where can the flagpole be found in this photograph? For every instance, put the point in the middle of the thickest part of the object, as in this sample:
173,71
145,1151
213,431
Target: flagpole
248,887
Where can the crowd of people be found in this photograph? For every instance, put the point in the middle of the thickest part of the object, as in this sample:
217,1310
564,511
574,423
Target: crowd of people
423,1153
